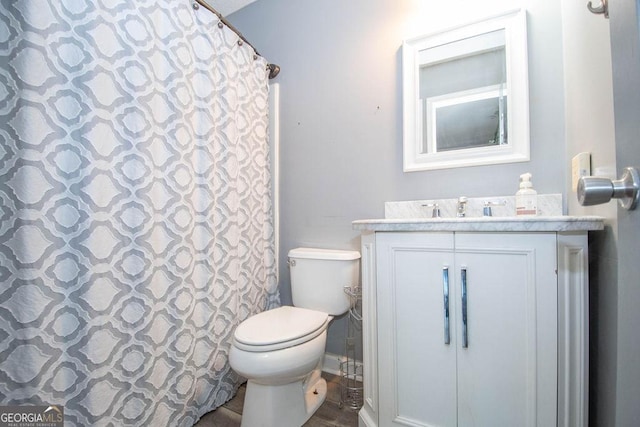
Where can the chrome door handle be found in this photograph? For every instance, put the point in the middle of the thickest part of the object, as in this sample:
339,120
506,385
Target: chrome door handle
445,292
593,190
465,336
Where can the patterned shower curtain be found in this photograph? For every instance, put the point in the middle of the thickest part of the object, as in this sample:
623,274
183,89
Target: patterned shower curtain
136,224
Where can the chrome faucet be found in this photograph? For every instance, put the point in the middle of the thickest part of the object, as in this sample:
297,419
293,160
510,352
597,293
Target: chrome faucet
436,209
462,207
486,211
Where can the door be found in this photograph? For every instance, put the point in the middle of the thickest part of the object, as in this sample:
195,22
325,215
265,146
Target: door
417,356
509,286
625,56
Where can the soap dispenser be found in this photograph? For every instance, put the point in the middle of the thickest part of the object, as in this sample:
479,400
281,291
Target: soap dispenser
526,197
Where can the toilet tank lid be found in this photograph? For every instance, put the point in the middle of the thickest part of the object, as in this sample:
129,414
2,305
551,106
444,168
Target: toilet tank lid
331,254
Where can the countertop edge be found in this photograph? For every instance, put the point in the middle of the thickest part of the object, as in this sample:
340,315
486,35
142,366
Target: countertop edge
505,224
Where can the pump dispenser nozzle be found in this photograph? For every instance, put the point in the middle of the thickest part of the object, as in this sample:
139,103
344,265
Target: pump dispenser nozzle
525,180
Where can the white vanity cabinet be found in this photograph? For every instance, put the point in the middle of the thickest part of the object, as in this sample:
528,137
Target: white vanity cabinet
474,328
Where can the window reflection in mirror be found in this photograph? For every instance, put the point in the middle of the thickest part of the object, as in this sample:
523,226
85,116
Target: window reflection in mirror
480,123
463,93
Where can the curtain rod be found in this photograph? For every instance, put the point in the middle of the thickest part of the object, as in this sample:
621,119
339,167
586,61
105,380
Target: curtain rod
273,68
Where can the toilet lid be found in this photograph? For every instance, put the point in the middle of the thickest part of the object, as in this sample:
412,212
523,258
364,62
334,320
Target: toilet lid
280,325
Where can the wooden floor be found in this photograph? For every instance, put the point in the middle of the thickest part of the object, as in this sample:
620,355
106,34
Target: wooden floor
328,415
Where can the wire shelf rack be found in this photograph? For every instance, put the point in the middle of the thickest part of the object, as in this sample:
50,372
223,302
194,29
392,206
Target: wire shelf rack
351,391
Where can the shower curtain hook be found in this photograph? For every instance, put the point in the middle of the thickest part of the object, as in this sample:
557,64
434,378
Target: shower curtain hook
195,5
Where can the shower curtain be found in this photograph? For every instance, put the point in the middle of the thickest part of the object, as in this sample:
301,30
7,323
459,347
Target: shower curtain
136,224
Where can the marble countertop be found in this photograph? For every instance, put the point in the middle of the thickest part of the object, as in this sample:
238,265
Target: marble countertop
506,224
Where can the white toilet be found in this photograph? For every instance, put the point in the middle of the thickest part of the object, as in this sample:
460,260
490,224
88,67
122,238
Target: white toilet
280,351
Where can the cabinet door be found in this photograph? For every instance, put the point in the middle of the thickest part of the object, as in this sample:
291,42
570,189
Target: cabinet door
416,365
507,371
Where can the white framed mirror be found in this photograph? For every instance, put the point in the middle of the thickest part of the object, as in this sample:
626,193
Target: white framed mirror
466,95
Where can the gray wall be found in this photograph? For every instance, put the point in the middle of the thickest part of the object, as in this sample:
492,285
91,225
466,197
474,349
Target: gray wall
341,113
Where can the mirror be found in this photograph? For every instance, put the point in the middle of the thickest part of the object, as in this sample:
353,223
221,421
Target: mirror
466,95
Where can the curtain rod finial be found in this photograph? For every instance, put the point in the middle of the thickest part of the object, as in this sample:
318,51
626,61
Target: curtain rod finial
274,70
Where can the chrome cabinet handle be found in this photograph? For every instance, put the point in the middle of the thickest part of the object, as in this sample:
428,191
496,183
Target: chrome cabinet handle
465,337
445,292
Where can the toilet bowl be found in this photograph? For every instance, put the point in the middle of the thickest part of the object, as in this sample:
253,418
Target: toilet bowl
285,386
280,351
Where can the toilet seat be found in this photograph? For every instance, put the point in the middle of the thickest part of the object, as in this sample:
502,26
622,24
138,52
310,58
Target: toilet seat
279,328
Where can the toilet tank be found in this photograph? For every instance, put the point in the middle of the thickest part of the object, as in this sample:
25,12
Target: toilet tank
318,278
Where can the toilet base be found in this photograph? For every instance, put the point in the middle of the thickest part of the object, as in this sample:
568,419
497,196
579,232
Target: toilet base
285,405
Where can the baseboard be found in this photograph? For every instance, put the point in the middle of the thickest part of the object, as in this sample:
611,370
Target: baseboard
364,420
331,363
